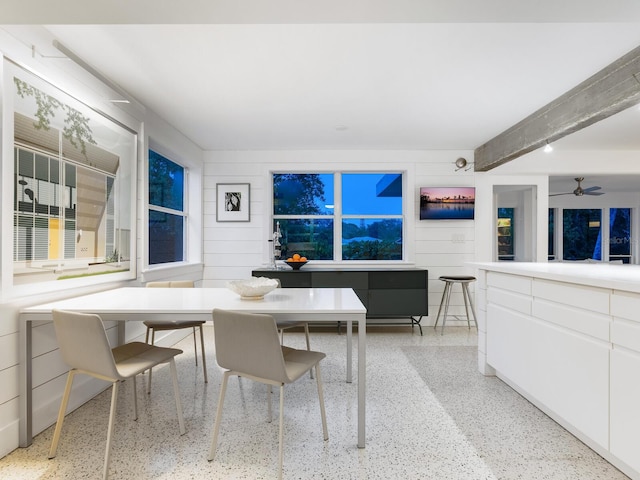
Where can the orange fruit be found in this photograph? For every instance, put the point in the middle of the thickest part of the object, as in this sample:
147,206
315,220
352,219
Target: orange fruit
296,257
289,259
303,259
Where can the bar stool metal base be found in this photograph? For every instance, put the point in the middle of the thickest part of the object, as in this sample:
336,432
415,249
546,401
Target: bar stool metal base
449,281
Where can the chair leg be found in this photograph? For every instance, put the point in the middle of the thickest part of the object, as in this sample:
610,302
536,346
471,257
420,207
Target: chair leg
465,294
176,392
473,311
112,417
306,334
61,414
195,348
153,339
269,409
204,360
281,433
321,398
216,427
135,398
446,306
444,294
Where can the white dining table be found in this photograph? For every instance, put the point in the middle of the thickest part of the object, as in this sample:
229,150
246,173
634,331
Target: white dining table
138,304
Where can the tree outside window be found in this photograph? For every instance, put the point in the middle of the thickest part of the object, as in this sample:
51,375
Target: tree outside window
167,216
368,219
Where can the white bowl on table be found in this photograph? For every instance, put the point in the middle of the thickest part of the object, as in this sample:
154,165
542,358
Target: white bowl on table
254,288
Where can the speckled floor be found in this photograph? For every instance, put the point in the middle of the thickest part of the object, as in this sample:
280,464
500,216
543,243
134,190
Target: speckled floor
430,415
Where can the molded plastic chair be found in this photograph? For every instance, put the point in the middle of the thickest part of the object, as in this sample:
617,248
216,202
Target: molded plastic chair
247,345
287,324
160,325
85,348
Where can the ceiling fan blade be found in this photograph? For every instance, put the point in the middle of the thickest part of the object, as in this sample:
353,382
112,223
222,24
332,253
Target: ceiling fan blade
593,193
590,189
557,194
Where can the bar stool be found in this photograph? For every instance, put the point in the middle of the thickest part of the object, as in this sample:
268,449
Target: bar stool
449,281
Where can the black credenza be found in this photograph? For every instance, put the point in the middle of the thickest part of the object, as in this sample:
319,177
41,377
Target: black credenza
386,293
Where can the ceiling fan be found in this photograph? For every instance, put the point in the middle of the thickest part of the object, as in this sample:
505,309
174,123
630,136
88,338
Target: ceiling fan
579,191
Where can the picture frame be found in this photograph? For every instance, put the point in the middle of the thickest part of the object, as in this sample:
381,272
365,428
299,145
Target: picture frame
233,202
447,203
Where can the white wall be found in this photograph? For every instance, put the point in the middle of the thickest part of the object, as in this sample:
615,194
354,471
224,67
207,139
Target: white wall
232,250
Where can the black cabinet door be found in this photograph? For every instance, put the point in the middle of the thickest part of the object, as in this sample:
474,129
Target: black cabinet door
390,302
288,279
398,279
340,279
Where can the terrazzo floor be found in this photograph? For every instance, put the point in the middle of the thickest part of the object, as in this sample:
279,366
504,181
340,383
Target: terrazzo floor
430,415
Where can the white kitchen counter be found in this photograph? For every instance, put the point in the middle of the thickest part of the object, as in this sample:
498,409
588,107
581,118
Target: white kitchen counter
604,275
567,337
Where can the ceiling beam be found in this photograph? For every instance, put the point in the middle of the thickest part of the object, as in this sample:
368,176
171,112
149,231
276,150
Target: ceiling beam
611,90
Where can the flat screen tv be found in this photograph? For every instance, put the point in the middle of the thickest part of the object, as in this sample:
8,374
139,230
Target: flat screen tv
447,203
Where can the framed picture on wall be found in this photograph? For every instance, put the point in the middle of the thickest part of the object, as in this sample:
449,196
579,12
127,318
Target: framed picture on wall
447,203
232,202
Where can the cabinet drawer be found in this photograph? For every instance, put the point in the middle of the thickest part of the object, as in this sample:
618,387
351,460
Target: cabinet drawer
290,279
397,303
398,279
355,280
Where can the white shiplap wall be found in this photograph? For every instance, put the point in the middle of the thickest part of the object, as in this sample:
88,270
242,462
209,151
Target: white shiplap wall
232,250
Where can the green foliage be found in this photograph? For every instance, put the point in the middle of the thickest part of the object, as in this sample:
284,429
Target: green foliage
372,250
113,257
76,129
166,182
296,194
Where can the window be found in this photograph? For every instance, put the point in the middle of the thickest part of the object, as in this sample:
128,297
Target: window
581,234
596,234
73,193
167,215
362,210
620,234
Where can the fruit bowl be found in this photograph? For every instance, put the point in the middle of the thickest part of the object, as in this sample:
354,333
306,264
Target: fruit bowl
296,265
254,288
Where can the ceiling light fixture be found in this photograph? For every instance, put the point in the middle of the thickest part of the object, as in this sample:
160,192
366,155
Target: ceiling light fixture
548,148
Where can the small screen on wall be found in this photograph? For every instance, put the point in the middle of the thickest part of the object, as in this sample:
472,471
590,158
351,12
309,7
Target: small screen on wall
447,203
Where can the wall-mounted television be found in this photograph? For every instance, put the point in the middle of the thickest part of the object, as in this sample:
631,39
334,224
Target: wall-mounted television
447,203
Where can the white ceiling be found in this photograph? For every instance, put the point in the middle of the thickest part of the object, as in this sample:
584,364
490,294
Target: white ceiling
289,74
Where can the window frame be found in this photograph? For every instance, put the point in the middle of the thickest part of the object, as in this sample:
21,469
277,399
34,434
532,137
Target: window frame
337,217
184,213
112,127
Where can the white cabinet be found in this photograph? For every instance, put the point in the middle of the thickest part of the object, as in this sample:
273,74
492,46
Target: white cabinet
625,378
625,406
574,351
555,361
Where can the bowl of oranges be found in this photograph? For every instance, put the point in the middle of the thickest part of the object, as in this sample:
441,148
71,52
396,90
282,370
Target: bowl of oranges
296,261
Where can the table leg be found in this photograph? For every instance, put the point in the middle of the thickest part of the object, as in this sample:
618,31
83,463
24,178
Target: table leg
362,368
349,351
26,400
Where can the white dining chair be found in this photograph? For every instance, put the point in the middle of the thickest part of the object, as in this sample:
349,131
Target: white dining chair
247,345
154,326
85,348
